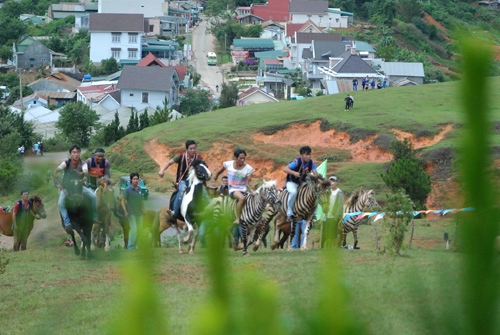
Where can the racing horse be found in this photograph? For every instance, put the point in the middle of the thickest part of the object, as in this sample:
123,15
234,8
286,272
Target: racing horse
106,204
24,225
80,212
194,200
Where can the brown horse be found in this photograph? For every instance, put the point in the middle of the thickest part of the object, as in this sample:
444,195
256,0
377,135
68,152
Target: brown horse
162,221
24,227
148,219
105,205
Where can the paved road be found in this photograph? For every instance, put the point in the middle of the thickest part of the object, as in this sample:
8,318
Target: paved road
203,43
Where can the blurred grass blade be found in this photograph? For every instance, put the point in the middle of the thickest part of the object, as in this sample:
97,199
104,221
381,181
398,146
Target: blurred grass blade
480,228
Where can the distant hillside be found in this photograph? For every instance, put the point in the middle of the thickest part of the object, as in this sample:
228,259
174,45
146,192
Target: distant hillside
426,31
355,143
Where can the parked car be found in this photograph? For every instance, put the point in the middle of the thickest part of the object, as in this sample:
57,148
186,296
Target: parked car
125,182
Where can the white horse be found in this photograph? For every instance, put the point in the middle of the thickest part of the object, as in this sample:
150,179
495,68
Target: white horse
192,201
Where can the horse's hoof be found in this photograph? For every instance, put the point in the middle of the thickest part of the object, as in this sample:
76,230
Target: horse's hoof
191,252
181,251
255,248
246,254
92,247
273,247
77,252
107,248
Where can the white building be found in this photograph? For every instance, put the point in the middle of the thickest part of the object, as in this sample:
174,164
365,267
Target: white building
116,35
148,8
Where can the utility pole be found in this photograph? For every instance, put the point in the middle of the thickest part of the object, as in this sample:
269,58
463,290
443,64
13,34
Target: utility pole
21,91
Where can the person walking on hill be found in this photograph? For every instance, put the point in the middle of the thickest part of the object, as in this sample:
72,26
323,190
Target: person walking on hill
348,102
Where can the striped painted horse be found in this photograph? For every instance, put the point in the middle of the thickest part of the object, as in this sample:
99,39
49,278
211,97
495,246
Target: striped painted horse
224,209
308,195
357,202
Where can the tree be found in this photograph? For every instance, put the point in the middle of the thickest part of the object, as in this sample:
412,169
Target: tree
399,213
144,120
161,114
407,173
15,94
77,122
132,126
254,30
109,66
228,95
195,102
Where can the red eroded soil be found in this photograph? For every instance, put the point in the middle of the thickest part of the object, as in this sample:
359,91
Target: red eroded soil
323,142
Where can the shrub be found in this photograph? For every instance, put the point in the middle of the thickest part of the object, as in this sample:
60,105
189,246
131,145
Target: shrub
399,213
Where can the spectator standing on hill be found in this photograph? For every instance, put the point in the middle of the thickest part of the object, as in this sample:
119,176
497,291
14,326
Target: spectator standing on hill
35,148
334,214
40,147
372,84
355,84
348,102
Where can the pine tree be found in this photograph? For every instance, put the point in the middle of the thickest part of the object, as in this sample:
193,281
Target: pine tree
406,173
144,120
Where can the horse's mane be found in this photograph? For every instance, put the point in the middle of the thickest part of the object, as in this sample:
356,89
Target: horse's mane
354,197
35,198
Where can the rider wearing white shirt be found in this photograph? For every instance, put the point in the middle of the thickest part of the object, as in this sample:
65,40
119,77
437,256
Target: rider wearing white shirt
238,175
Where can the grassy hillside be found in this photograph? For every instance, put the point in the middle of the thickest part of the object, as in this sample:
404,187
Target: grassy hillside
267,132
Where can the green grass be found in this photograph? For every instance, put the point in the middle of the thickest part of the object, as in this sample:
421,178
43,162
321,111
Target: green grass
49,290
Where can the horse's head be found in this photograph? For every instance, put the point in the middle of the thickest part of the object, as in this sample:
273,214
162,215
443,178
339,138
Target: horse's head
369,199
268,191
199,170
105,184
74,191
38,208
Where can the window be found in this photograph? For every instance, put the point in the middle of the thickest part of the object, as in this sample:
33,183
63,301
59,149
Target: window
115,37
151,28
115,54
132,38
132,54
85,21
145,97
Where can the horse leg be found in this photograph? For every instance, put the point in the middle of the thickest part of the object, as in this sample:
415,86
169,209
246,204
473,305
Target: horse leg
244,235
75,245
276,235
306,235
190,228
193,242
17,240
95,236
107,224
355,234
179,239
292,233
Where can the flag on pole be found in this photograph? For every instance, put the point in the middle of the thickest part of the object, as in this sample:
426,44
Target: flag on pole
321,171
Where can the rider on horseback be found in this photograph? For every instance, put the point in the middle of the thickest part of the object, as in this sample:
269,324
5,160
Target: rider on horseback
70,167
297,171
183,161
98,167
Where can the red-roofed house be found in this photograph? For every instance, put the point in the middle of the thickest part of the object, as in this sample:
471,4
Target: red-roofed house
254,95
276,10
90,93
150,60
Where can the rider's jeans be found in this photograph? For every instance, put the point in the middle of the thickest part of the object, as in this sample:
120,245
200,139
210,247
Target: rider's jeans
64,212
178,199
